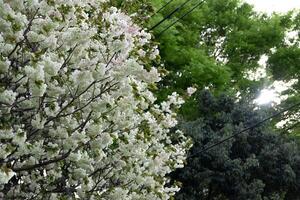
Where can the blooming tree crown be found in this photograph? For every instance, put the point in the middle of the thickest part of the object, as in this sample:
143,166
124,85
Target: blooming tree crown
78,119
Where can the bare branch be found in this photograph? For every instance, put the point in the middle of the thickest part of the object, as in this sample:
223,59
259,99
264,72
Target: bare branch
24,34
48,162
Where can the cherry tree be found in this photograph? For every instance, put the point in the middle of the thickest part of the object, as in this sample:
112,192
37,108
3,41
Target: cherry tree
78,118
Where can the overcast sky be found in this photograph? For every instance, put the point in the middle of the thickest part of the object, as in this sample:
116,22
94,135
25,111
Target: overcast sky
270,6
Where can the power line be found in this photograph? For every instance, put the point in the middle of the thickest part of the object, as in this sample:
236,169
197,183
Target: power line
244,130
162,7
187,13
170,14
291,127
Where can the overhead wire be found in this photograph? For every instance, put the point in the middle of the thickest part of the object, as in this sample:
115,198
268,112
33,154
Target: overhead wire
170,14
244,130
295,125
180,18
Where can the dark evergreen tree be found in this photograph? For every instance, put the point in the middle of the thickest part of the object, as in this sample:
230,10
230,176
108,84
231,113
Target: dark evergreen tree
256,165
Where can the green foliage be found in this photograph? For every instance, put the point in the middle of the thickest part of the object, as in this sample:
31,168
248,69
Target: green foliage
215,45
227,30
257,165
284,65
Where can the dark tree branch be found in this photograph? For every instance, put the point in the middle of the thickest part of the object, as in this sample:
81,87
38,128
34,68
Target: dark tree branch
42,164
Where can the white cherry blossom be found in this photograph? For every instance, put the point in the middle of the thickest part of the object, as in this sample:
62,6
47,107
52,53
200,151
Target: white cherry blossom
78,120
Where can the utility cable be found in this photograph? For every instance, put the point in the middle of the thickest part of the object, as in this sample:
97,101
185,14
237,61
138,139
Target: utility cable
184,15
244,130
170,14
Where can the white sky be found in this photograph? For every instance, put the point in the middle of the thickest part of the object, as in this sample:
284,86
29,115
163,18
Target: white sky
270,6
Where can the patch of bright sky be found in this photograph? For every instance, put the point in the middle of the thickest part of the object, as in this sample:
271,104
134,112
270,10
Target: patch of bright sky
260,72
272,94
270,6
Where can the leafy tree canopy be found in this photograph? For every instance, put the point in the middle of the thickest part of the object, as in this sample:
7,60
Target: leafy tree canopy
284,65
217,42
215,45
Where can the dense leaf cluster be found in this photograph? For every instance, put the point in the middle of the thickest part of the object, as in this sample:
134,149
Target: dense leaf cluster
215,46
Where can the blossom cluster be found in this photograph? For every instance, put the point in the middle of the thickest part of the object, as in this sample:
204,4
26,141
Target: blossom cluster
78,118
